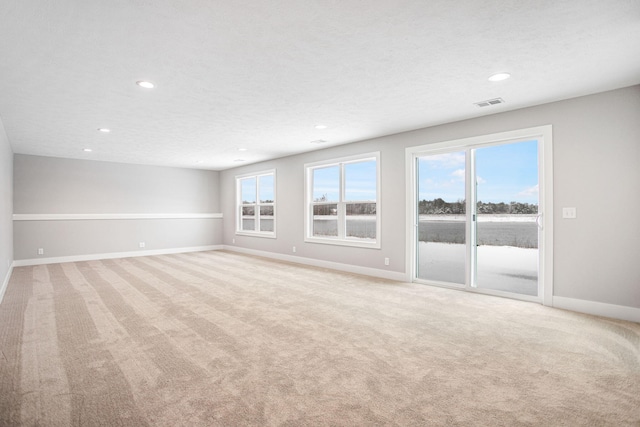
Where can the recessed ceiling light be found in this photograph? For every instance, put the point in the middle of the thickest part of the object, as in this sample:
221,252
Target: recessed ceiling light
499,77
145,84
320,126
239,160
105,130
318,141
87,150
242,149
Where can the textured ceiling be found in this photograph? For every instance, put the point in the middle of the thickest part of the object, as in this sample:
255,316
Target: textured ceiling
261,74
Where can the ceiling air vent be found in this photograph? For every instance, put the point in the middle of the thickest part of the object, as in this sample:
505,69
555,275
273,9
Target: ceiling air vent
489,102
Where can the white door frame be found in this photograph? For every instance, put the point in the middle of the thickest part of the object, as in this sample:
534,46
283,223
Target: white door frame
545,178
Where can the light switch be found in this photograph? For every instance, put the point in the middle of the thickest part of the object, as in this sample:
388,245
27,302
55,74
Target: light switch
569,213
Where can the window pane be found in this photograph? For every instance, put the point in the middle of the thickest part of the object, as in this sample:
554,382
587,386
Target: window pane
507,207
248,218
266,218
266,189
360,181
361,220
326,184
442,220
325,220
248,190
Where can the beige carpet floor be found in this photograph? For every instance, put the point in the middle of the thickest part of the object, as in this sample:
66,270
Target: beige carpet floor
218,338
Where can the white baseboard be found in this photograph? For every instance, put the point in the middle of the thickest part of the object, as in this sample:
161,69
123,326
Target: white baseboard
621,312
112,255
5,282
367,271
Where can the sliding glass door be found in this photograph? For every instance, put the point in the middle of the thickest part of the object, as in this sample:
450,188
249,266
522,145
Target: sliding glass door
479,217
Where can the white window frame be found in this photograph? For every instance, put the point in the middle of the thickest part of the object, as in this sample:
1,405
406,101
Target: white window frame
239,205
341,239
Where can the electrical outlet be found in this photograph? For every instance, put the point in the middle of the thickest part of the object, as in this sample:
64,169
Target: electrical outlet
569,213
386,261
233,241
40,251
142,244
294,249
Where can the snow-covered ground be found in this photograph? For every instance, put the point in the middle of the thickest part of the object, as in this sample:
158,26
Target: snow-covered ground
504,268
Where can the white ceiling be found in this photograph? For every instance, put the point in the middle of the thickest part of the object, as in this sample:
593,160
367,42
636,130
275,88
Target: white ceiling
261,74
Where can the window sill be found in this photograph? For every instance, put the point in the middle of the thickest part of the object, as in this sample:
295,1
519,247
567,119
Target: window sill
344,242
267,235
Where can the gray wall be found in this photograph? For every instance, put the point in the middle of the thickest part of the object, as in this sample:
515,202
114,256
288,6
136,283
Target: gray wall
596,169
56,185
6,206
47,185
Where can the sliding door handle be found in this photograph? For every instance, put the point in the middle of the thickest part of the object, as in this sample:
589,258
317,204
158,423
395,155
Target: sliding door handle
539,222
